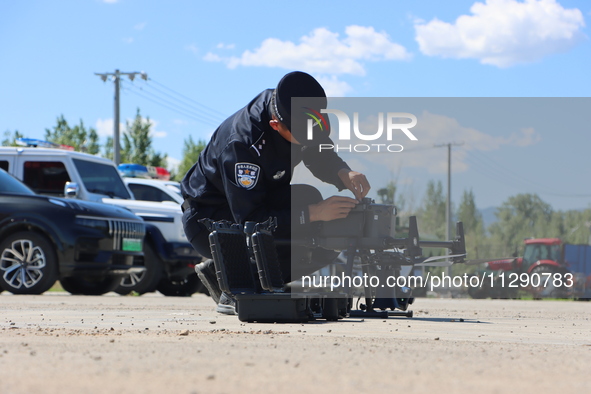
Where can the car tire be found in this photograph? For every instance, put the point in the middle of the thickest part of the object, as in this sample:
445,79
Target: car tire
550,291
90,285
478,293
181,288
146,281
28,263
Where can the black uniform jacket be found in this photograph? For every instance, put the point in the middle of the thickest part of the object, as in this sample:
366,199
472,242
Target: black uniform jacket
247,162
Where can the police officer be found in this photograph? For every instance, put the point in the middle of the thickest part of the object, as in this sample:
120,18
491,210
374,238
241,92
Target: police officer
244,174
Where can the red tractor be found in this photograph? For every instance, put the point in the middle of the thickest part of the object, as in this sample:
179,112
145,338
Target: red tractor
548,268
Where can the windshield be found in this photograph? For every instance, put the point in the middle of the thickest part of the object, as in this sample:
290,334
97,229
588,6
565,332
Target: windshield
535,252
9,184
101,179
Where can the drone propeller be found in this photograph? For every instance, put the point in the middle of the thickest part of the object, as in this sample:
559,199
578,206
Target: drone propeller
432,261
480,261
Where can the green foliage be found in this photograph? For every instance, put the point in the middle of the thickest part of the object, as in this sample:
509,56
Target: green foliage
10,140
468,214
571,226
522,216
431,215
387,194
191,152
78,137
108,148
137,144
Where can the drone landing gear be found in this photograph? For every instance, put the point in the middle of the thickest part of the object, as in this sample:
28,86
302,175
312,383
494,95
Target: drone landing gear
380,314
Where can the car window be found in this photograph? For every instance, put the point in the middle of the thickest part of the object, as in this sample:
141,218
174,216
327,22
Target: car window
46,177
4,165
101,179
174,188
149,193
8,184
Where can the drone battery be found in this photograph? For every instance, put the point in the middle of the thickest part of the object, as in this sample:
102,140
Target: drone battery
231,260
271,308
366,220
267,262
380,221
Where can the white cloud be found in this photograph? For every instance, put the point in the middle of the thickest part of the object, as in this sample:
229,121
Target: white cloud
333,86
172,164
221,45
104,128
322,51
436,129
527,137
212,57
192,48
504,32
110,1
140,26
433,129
128,40
154,133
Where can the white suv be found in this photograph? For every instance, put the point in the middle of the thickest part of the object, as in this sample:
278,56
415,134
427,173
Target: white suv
168,256
154,190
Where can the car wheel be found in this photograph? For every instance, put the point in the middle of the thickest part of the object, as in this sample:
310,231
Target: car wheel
550,290
478,293
146,281
90,285
28,264
180,288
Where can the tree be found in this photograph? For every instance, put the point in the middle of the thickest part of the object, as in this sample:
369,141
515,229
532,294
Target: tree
10,140
522,216
432,212
137,144
571,226
388,195
78,137
108,148
471,218
191,152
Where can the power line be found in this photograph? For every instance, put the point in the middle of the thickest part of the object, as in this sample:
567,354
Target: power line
175,102
188,98
172,108
207,114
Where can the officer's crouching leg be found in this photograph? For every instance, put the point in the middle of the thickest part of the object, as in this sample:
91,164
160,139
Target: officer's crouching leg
198,236
296,261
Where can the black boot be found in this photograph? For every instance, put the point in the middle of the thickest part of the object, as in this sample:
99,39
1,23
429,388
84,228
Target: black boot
207,273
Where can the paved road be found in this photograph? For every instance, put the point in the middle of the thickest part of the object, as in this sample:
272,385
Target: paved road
57,343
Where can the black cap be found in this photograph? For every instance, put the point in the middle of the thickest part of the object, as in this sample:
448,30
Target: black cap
295,114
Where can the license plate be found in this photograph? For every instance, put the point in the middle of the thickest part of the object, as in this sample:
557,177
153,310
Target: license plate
132,245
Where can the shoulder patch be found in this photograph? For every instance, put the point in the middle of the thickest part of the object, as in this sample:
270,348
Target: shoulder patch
247,175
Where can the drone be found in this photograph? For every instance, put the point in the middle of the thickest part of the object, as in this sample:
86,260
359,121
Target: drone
247,265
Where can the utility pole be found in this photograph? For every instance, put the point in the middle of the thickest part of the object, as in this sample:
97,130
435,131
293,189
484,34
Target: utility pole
448,200
116,79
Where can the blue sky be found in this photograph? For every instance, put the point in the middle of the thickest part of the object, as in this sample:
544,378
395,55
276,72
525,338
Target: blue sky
218,55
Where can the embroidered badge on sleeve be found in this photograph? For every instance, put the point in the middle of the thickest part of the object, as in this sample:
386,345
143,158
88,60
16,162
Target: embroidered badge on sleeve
247,175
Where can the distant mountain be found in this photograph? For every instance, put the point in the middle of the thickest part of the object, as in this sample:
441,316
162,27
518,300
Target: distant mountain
488,216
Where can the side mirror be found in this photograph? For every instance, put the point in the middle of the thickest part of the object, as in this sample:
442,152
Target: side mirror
71,190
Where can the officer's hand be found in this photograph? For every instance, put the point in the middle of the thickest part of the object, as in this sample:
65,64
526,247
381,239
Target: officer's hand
356,182
335,207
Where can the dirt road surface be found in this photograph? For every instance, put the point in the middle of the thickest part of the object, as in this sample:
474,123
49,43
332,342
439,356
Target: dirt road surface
58,343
